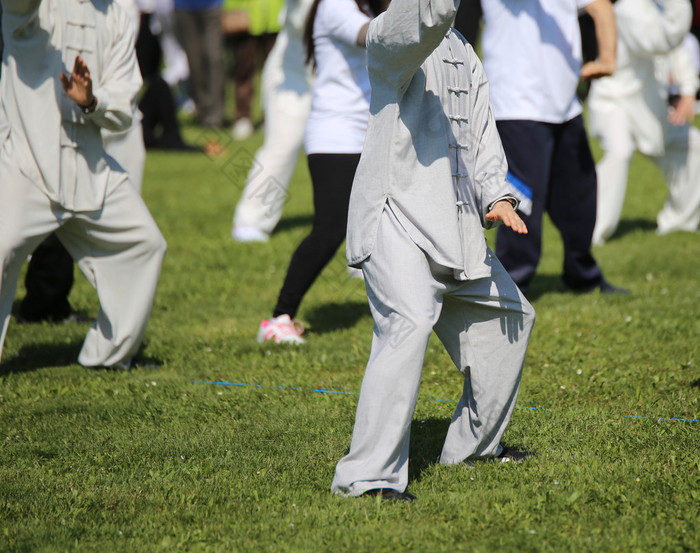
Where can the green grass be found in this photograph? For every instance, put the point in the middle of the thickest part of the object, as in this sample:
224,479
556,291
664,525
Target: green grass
159,460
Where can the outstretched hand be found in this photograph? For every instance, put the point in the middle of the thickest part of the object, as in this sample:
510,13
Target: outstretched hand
78,85
502,211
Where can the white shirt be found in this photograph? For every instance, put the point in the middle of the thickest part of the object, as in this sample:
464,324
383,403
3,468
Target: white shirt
52,142
337,123
532,57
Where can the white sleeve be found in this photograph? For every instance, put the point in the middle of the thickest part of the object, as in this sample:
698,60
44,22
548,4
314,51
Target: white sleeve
121,78
683,72
649,30
342,19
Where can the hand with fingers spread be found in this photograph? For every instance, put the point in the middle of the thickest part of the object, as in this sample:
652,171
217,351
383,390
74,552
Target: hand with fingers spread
78,85
503,211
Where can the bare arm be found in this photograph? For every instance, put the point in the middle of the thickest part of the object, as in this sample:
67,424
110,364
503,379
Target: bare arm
603,15
362,35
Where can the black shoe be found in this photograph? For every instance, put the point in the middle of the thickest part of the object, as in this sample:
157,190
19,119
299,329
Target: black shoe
509,454
604,288
56,318
607,288
389,494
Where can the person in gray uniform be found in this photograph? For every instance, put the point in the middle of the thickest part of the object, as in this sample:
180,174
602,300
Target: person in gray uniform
432,175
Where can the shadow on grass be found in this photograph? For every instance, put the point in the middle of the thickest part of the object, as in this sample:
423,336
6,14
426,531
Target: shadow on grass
628,226
545,284
336,316
427,438
40,356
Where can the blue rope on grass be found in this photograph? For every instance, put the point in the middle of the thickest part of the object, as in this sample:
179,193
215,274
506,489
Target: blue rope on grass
337,392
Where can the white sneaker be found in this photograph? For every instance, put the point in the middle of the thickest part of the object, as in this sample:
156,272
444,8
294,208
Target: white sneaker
242,129
281,330
248,234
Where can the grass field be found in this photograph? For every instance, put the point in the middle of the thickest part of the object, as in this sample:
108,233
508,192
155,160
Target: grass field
167,460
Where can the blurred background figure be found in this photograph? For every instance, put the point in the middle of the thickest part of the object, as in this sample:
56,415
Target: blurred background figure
250,36
630,111
198,29
164,68
532,57
286,100
335,131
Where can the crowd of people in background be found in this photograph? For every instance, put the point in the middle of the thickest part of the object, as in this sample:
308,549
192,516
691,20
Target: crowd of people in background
412,147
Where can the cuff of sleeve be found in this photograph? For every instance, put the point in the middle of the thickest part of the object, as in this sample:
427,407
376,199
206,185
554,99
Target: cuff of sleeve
512,199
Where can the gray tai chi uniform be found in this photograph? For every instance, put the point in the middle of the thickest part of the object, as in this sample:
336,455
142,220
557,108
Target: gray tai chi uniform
431,168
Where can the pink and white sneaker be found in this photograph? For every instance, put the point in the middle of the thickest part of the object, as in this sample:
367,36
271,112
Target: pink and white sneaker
281,330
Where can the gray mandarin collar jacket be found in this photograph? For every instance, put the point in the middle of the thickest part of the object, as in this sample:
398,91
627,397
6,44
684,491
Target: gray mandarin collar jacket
432,152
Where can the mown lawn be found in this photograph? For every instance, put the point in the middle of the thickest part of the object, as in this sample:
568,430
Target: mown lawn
231,445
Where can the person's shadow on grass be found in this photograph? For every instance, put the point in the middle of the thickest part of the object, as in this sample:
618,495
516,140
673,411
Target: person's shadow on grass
336,316
41,356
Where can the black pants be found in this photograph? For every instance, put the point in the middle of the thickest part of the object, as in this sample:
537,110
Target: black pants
555,162
161,128
331,176
468,20
48,282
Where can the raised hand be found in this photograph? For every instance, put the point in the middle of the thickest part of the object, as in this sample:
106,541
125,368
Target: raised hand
78,85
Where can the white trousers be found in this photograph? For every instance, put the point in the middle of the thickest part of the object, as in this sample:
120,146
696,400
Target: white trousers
286,99
485,326
119,249
680,165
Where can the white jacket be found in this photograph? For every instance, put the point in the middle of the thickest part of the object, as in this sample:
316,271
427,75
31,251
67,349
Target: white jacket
53,143
646,30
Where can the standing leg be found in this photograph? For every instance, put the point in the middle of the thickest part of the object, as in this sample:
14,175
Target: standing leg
612,170
286,95
214,72
48,281
26,218
120,250
332,176
572,204
245,53
681,166
485,325
188,31
528,146
405,303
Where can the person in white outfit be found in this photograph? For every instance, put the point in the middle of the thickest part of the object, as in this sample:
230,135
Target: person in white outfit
629,111
55,173
286,101
49,277
432,175
333,139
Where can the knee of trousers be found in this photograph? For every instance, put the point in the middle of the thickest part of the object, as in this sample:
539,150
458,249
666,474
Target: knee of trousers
154,243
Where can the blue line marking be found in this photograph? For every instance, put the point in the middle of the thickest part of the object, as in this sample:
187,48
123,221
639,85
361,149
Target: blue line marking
337,392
